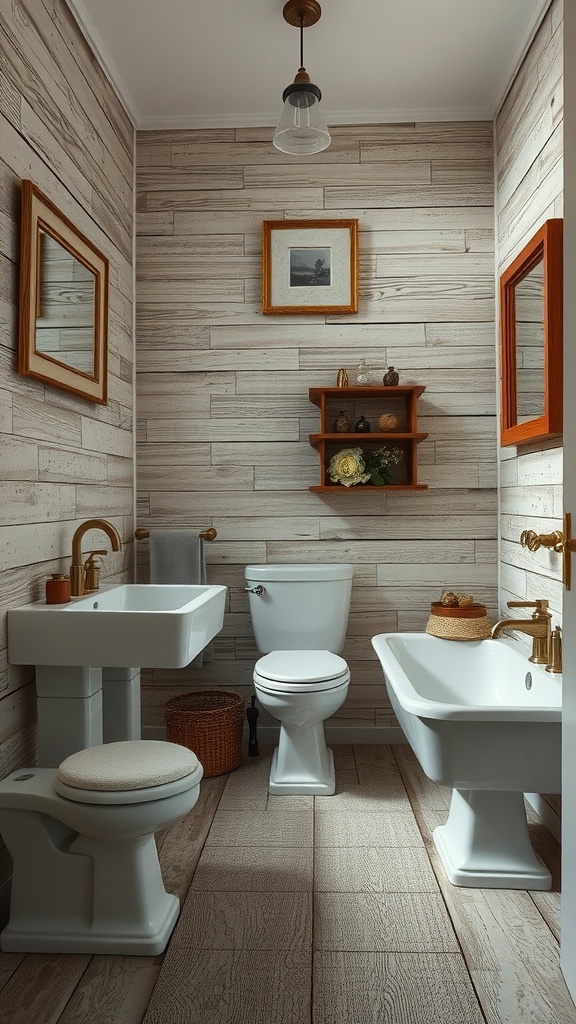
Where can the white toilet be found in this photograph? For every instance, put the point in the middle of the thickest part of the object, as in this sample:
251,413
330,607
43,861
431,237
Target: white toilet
299,617
86,872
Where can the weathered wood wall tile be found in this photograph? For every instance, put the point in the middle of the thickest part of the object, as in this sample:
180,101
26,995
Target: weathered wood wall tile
393,172
385,196
183,478
194,154
312,333
218,199
62,126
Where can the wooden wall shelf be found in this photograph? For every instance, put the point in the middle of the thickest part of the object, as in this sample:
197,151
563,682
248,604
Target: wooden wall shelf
370,402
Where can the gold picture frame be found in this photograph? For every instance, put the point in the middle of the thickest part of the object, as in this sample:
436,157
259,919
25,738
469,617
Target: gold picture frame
310,266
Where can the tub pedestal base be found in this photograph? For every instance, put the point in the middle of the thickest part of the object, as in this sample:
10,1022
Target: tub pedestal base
485,842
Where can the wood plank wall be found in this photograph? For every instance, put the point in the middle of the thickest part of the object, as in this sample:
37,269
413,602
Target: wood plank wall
222,391
62,459
529,191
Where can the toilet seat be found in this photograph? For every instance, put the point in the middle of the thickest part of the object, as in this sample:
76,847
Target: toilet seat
300,671
127,772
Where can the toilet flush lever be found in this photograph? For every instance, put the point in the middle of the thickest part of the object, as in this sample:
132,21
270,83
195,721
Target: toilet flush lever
255,590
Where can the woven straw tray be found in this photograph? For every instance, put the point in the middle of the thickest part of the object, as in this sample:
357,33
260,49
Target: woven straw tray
466,622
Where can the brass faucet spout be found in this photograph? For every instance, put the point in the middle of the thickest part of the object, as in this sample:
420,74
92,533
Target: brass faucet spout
532,627
538,627
77,567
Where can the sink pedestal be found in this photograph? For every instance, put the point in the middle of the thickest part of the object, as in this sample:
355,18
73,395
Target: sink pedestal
486,844
83,707
121,704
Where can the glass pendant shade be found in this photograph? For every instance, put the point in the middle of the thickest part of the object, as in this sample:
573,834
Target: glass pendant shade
302,128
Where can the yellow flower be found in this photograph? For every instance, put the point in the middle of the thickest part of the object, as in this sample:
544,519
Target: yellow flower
347,467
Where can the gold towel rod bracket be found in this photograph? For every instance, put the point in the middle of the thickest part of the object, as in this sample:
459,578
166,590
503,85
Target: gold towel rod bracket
209,534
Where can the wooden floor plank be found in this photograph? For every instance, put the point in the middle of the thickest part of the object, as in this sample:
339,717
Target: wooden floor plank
41,987
249,869
393,988
372,869
9,963
230,986
549,904
113,990
548,848
382,922
180,847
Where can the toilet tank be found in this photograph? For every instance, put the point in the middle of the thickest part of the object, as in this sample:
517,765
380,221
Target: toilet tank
302,607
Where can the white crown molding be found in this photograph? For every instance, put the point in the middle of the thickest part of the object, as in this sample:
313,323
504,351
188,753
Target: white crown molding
86,26
333,119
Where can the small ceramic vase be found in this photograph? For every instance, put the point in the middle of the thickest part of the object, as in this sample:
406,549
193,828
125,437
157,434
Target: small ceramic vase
362,426
342,379
342,424
390,378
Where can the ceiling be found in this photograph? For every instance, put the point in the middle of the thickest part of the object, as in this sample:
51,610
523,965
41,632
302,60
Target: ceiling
224,63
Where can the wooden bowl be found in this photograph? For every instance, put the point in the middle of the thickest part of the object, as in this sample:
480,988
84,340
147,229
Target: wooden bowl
466,611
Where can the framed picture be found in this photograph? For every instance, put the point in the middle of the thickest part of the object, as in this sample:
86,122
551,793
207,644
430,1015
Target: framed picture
310,266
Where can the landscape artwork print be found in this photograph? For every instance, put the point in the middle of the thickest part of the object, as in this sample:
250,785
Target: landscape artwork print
310,267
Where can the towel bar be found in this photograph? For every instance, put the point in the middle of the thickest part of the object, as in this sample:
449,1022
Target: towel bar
209,534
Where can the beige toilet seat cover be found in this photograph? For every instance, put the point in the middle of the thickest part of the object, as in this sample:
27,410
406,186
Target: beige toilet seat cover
126,765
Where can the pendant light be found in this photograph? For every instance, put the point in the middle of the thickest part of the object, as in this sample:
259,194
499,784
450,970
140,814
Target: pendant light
302,129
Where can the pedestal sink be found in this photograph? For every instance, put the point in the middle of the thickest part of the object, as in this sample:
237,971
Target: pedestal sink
88,656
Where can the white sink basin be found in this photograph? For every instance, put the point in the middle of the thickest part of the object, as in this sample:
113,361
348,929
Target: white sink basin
144,625
478,714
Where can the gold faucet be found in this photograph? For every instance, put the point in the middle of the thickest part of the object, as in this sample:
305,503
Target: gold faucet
538,627
78,567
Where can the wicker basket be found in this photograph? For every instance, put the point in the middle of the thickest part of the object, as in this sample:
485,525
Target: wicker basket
463,623
209,722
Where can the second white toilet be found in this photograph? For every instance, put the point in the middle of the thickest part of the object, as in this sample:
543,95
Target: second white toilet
299,617
86,872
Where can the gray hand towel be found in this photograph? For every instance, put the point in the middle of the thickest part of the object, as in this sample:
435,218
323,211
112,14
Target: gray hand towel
177,556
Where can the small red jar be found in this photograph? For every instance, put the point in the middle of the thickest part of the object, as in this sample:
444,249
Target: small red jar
57,589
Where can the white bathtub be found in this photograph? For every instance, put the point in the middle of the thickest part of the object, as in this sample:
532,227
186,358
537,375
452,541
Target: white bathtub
484,720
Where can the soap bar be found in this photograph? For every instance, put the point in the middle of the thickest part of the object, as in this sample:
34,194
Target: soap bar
57,589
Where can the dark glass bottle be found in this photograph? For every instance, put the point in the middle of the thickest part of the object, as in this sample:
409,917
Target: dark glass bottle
362,426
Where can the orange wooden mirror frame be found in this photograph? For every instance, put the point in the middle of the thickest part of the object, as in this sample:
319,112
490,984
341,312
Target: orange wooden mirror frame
546,248
43,221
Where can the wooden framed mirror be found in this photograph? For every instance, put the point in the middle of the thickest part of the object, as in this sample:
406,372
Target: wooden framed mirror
531,339
63,301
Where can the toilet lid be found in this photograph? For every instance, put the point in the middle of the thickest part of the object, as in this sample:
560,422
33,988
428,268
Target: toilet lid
301,671
123,767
